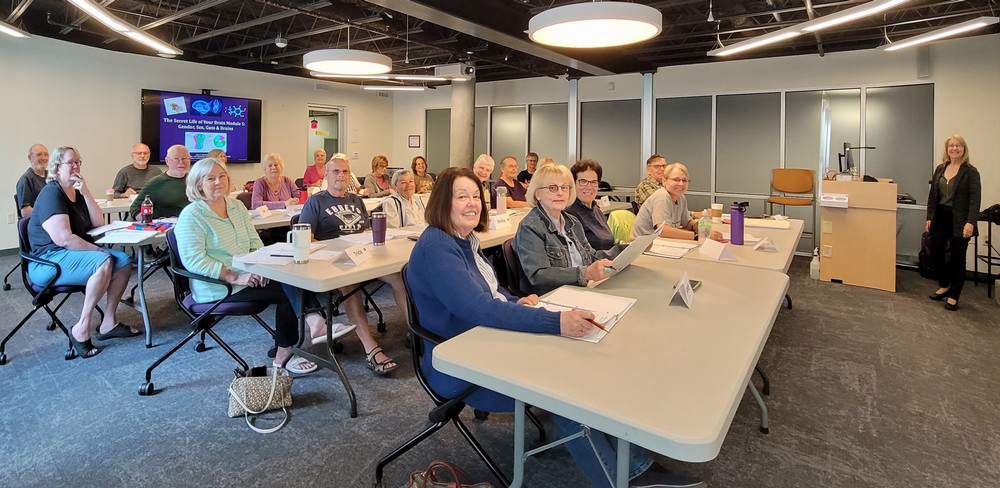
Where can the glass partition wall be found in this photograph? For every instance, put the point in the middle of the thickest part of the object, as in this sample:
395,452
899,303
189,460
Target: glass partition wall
731,142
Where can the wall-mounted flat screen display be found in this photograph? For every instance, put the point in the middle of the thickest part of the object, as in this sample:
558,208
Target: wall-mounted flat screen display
201,123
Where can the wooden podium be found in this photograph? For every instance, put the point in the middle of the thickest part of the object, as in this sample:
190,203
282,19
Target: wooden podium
858,243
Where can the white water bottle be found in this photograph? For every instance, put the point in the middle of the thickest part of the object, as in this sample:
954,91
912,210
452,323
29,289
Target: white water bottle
814,265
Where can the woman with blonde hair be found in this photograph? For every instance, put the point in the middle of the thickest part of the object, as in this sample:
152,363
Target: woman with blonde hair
377,182
952,213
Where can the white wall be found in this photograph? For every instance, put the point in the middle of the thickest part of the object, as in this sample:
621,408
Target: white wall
58,93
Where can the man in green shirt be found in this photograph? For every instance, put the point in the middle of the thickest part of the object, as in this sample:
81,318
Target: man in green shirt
167,190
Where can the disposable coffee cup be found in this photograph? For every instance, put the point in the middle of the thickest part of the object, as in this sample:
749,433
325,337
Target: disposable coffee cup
300,238
378,228
716,213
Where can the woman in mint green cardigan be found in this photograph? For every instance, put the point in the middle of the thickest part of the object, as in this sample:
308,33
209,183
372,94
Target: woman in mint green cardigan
213,229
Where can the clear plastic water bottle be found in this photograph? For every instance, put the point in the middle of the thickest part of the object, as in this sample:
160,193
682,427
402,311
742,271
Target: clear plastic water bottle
705,226
146,211
814,265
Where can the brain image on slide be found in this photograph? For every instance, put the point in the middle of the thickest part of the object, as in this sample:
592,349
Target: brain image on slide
202,142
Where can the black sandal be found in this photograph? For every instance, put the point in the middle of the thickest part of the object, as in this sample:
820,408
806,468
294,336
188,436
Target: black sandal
119,330
380,368
84,349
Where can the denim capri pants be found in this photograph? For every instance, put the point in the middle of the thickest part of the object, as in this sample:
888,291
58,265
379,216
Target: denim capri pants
77,266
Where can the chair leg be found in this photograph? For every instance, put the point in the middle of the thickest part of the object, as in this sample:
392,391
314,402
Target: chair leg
788,301
369,300
492,465
3,345
538,424
399,451
767,383
6,286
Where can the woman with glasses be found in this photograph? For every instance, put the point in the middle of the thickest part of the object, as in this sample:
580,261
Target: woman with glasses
669,205
587,175
952,213
403,208
551,243
63,213
377,182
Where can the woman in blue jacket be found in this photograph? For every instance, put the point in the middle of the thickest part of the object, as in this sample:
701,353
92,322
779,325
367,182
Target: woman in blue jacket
455,289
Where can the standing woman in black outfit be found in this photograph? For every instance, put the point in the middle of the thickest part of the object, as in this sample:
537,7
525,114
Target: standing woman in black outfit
952,212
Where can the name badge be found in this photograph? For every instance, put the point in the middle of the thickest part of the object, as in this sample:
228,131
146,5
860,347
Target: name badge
499,221
262,212
358,253
684,291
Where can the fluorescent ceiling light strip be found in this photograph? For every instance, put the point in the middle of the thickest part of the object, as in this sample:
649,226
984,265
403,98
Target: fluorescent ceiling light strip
419,78
848,15
12,31
942,33
393,88
100,14
153,42
115,24
739,47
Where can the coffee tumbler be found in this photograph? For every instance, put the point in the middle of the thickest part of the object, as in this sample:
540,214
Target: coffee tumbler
300,238
378,228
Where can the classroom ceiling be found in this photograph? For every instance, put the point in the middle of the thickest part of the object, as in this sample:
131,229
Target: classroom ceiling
419,35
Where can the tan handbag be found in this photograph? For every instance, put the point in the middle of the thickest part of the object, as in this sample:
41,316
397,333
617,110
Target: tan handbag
250,394
428,477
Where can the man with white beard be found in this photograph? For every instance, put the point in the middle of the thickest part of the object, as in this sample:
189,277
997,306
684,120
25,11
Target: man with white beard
131,178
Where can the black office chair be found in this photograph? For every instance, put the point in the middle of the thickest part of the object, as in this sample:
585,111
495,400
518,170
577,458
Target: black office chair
41,294
245,198
6,286
514,270
203,316
300,183
445,409
367,296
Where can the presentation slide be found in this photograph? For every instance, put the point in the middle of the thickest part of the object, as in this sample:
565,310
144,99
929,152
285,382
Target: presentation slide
203,123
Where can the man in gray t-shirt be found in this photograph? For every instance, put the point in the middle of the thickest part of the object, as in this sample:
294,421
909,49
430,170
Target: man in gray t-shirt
133,177
33,180
660,207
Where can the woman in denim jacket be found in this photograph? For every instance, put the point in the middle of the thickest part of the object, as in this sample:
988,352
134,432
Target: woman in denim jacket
551,243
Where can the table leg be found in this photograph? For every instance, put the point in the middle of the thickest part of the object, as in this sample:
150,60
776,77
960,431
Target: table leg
519,456
623,468
140,250
332,363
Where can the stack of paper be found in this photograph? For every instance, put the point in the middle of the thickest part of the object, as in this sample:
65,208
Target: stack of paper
771,224
366,236
670,248
607,309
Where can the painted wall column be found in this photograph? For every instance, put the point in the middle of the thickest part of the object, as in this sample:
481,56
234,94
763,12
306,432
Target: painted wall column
463,123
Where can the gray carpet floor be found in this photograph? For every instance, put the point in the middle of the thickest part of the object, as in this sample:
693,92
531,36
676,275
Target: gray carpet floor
869,388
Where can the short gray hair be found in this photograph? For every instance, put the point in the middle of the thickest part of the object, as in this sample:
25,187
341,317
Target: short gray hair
56,160
198,172
399,174
485,159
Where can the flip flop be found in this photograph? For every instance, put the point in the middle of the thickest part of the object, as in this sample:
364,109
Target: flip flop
294,366
84,349
119,330
340,331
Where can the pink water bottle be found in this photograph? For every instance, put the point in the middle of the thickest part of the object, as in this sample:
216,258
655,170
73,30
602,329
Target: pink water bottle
736,223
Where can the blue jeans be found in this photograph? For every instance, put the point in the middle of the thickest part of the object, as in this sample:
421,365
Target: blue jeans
607,453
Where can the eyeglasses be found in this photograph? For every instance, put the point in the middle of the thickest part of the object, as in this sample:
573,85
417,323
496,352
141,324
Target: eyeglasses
680,180
954,145
582,182
180,159
658,166
556,188
77,163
